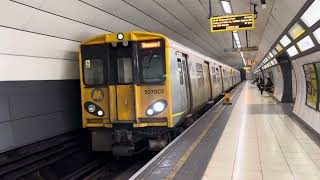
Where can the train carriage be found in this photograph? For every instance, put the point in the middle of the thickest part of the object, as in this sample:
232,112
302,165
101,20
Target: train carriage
137,87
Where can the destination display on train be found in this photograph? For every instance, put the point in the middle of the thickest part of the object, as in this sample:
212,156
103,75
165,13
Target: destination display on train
232,23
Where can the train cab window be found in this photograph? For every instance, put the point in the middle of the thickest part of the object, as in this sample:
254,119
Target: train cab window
180,71
200,74
124,70
311,84
93,72
94,58
121,64
152,62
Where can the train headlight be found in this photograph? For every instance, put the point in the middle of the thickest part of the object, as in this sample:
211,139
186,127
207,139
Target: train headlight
150,112
100,113
120,36
91,108
156,107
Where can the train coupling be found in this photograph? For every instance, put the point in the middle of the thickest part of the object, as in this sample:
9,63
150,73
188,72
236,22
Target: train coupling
123,144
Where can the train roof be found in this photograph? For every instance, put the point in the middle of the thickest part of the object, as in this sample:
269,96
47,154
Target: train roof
187,49
136,35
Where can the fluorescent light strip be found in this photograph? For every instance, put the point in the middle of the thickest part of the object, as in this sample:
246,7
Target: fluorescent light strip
236,36
244,61
226,5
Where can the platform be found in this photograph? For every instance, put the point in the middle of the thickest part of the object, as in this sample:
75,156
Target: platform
255,138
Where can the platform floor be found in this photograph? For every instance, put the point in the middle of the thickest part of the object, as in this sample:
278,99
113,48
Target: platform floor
263,141
255,138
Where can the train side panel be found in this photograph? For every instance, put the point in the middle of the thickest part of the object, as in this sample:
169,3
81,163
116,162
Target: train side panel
199,82
215,81
224,79
180,102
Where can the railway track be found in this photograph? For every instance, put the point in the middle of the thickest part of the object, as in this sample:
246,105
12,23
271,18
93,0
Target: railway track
111,168
66,157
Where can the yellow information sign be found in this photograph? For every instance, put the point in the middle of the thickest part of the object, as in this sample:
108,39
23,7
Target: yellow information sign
232,23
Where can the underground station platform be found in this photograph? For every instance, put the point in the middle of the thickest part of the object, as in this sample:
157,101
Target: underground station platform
160,89
254,138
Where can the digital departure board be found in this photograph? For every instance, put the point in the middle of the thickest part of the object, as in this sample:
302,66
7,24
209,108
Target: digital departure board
232,23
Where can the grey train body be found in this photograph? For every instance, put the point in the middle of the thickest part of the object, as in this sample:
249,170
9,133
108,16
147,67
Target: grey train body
196,80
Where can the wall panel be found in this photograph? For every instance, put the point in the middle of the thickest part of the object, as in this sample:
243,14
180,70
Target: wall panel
309,115
278,82
35,110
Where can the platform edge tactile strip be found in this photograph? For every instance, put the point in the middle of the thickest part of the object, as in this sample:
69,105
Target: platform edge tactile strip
198,161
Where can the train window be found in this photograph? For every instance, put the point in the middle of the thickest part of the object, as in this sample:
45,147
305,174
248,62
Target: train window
121,63
152,62
200,74
213,74
311,15
93,64
180,71
93,72
124,70
311,85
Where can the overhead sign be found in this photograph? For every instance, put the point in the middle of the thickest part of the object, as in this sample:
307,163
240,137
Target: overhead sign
232,23
228,50
247,67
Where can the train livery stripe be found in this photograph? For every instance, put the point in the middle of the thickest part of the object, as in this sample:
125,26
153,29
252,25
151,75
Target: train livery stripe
177,114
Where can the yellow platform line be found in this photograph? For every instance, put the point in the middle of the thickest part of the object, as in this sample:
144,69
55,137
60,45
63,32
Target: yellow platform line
186,155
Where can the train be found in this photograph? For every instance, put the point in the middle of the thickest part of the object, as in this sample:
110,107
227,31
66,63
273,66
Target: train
137,88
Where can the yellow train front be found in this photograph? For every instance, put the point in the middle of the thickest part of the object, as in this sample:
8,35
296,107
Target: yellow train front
137,87
121,93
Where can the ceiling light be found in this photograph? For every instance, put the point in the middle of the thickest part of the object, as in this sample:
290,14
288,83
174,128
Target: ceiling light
305,43
285,41
120,36
236,36
311,15
263,4
316,34
226,5
244,61
292,51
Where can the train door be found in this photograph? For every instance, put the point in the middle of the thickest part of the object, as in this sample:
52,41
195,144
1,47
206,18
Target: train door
185,72
219,80
215,82
209,80
124,87
222,78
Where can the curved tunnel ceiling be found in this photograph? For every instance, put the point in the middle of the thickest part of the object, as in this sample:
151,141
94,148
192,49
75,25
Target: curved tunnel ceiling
185,21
